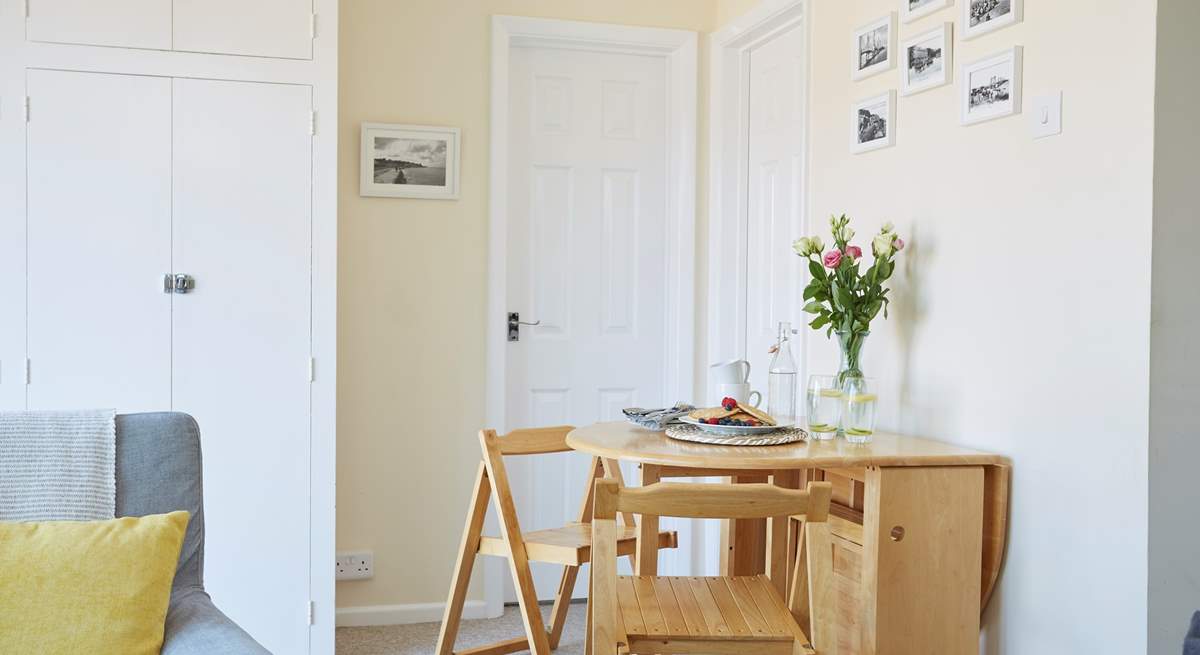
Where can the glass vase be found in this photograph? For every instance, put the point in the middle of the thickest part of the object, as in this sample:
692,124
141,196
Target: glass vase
850,370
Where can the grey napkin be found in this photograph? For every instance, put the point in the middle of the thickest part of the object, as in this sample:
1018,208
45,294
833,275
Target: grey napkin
657,419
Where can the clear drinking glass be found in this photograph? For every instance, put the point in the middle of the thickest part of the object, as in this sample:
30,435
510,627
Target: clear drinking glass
858,415
824,407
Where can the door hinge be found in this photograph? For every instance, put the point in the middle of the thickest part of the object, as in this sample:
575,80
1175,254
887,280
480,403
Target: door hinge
312,123
26,109
312,369
28,367
312,26
311,611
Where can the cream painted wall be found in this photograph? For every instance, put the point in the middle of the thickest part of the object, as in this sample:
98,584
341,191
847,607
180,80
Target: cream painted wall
1174,423
1021,322
413,281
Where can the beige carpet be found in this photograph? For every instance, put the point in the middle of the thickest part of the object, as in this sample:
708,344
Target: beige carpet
421,638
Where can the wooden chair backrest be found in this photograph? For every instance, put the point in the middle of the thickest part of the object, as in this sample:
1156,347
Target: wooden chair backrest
534,441
712,501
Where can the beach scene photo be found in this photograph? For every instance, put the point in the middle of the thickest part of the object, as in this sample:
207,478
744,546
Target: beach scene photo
410,161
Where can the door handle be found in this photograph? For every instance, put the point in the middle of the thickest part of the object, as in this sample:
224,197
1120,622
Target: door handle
178,283
514,325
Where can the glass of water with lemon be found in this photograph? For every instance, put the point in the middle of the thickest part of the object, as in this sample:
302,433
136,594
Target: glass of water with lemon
824,407
860,402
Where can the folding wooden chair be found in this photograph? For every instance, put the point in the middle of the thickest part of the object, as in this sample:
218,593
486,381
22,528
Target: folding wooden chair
569,545
727,615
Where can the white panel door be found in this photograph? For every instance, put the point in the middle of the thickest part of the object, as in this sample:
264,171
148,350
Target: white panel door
242,230
99,216
265,28
776,199
586,226
125,23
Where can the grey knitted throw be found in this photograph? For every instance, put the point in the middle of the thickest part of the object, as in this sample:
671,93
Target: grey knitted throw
58,466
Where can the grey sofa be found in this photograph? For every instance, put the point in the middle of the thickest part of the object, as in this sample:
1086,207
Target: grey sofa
158,471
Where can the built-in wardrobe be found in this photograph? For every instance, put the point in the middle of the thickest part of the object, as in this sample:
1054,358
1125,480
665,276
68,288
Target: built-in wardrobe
167,242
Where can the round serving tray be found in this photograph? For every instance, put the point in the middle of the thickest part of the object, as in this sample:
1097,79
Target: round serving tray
685,432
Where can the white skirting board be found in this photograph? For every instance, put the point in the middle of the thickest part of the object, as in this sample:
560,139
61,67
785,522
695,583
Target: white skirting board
404,614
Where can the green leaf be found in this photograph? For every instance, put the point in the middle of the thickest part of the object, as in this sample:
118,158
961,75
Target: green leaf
814,308
844,298
814,267
819,322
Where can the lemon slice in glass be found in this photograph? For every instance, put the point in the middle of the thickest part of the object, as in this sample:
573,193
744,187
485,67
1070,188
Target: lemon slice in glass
864,398
831,393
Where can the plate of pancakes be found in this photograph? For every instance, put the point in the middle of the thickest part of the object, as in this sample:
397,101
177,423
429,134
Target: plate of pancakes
733,419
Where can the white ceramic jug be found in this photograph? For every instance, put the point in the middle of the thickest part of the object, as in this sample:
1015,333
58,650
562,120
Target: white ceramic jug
734,372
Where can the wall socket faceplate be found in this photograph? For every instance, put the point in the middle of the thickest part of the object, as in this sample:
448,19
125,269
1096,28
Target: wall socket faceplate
355,565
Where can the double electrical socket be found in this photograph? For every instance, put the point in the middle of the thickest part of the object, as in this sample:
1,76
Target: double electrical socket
355,565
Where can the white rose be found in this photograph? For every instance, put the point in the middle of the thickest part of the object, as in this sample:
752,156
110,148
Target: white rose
888,227
803,246
882,245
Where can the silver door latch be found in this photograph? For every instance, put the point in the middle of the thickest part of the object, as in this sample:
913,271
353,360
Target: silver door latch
514,326
178,283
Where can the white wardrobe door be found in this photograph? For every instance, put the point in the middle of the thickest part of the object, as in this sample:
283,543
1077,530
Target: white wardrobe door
266,28
126,23
242,230
99,216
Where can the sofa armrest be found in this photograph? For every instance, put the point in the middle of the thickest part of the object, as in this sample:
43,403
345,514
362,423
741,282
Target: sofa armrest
196,627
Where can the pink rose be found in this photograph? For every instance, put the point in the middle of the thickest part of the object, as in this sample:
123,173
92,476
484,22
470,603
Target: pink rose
832,259
898,243
854,251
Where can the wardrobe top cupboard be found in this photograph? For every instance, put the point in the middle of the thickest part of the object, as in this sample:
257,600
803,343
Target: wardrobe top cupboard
168,240
259,28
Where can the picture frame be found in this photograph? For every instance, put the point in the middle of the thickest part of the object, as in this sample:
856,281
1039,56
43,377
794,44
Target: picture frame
873,48
873,123
409,161
981,17
927,60
991,87
911,10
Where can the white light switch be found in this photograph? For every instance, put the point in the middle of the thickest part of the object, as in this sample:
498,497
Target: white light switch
1045,117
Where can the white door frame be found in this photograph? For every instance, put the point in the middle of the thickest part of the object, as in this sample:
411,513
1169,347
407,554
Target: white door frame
729,49
679,48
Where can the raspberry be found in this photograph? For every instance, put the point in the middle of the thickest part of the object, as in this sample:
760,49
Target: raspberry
728,403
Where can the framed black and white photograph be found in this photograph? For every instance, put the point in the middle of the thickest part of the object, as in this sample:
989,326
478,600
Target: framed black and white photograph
926,60
911,10
991,87
873,123
983,16
873,48
409,161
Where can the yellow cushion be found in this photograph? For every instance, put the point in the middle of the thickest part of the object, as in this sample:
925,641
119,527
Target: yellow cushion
88,587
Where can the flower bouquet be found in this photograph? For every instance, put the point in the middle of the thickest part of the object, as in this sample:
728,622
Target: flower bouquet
843,297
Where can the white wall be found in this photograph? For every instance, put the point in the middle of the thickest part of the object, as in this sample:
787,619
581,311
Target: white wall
1021,321
1174,355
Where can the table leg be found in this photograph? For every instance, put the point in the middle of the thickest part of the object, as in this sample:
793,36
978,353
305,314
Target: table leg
777,535
744,541
647,534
